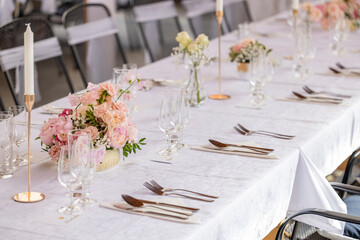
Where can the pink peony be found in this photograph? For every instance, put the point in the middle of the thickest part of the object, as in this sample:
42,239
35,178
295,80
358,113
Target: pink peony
100,111
73,99
118,137
108,87
89,98
47,132
93,131
81,111
120,106
114,118
315,14
237,47
92,87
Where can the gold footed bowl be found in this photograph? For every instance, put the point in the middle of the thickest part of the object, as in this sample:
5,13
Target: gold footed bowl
111,159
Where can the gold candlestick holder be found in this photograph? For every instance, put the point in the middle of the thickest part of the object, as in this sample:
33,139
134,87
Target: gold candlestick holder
29,197
219,17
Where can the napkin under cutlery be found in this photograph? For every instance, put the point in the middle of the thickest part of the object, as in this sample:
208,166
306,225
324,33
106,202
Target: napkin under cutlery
235,150
152,212
310,100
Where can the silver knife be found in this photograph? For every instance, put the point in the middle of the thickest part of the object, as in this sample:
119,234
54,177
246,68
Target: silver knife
137,210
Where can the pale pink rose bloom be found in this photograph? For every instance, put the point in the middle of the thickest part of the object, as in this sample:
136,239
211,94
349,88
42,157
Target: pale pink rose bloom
89,98
54,151
132,132
119,105
325,23
47,132
92,87
333,9
237,47
62,136
315,14
108,87
73,99
343,6
93,131
247,41
100,111
115,118
118,137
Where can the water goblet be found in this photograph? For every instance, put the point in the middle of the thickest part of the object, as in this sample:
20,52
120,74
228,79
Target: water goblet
119,76
20,132
258,77
339,34
6,144
68,180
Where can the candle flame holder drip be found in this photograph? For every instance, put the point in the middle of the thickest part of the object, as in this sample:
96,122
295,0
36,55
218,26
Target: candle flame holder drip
29,197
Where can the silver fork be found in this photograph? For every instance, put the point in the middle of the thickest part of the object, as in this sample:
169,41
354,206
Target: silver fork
159,192
323,99
245,134
155,184
273,134
310,91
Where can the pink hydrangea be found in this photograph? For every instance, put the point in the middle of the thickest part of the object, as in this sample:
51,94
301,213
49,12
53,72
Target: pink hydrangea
47,132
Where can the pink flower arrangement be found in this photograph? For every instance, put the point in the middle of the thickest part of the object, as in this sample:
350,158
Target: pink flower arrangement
243,51
103,116
329,12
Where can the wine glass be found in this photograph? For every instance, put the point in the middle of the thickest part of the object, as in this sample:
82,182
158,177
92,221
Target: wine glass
339,34
168,122
6,144
84,164
20,132
68,180
182,119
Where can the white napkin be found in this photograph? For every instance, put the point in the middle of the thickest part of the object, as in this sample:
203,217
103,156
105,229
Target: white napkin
235,150
344,73
191,220
52,109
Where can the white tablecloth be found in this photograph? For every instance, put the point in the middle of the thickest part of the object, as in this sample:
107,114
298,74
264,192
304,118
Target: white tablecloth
255,194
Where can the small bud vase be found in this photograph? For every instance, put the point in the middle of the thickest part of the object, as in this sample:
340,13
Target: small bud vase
194,92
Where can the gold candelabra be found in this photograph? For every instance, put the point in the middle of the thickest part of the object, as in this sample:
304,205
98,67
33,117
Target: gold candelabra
219,17
29,197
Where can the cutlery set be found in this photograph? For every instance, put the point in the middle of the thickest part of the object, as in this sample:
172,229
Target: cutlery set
341,69
244,131
161,208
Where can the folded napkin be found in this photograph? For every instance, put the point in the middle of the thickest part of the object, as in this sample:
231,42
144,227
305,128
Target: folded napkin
351,73
128,208
309,100
235,150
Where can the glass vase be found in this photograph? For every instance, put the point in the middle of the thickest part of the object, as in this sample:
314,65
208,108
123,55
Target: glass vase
194,92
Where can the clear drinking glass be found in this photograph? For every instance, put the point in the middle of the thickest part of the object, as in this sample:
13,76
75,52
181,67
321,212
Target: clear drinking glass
6,144
258,76
119,76
68,180
169,120
84,164
133,74
183,119
339,34
243,31
20,132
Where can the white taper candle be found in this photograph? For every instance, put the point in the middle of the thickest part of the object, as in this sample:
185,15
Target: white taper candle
219,5
295,4
29,60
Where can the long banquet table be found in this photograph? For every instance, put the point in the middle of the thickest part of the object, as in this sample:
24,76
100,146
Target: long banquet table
255,194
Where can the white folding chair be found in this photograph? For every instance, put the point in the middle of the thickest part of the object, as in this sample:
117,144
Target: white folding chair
154,12
230,4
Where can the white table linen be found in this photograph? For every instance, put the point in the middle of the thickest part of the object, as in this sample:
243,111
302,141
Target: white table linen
255,194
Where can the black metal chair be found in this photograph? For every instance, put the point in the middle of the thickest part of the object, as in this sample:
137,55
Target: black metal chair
154,12
76,18
304,231
2,106
12,39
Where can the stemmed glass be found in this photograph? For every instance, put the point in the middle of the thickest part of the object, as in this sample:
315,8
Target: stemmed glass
20,132
80,144
169,119
259,70
339,34
6,144
119,74
133,74
69,180
183,118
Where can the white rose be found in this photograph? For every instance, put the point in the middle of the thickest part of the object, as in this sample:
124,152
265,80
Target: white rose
183,39
203,41
192,48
